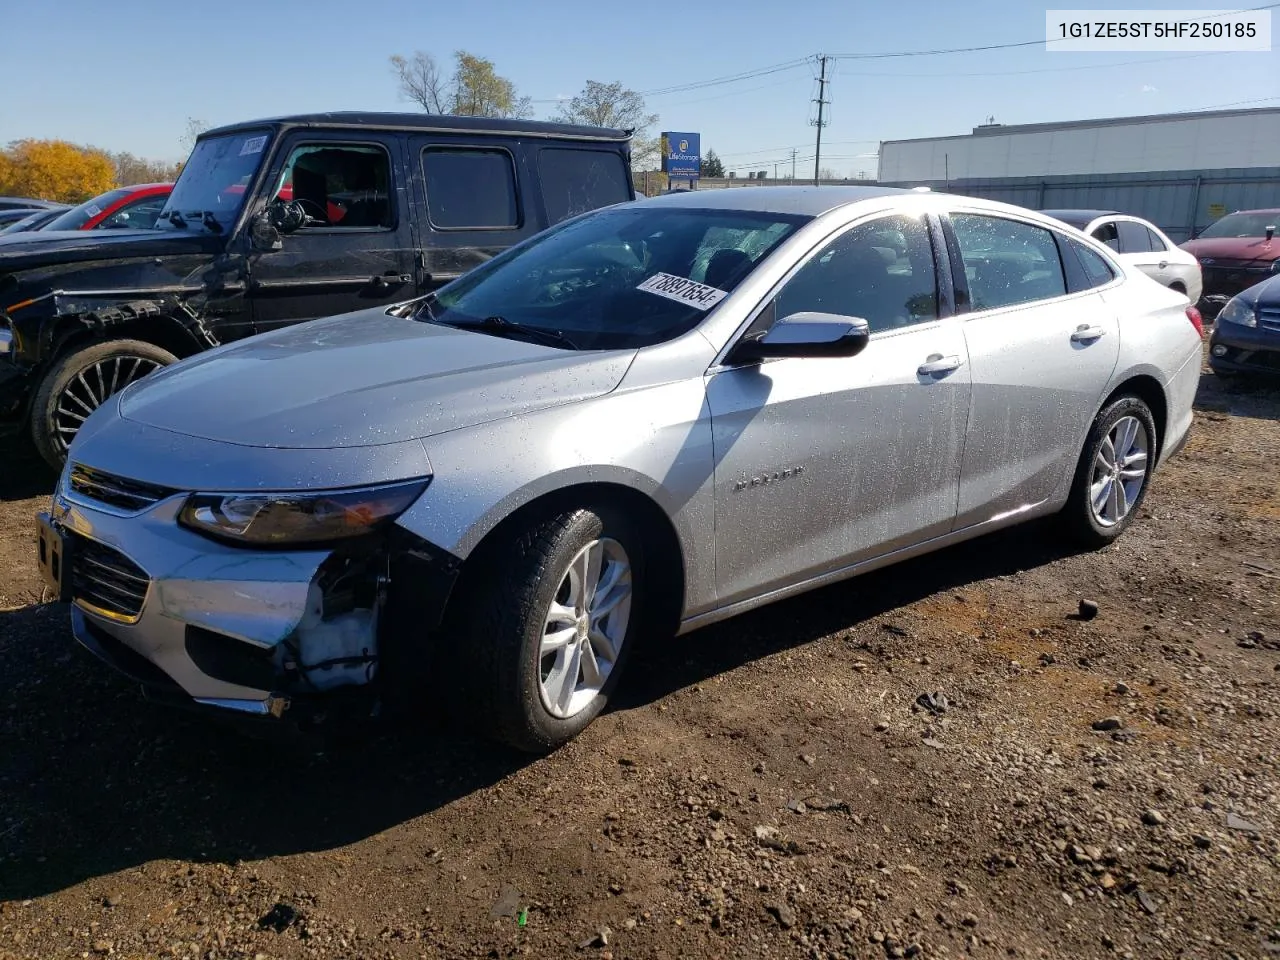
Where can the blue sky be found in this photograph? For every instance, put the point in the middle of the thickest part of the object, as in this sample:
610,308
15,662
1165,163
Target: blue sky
127,75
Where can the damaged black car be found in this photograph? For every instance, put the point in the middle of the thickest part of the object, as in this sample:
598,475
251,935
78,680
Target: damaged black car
272,223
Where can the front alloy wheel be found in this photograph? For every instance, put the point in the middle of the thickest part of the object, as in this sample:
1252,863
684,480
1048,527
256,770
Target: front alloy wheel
586,626
541,624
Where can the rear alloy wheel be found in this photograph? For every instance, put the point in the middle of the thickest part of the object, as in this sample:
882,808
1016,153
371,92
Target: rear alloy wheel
80,382
536,639
1113,473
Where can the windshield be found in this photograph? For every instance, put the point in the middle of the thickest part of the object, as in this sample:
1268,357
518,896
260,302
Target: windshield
77,217
1242,225
623,277
215,181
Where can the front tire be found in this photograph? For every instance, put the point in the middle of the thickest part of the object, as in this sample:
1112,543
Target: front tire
79,382
1113,474
543,625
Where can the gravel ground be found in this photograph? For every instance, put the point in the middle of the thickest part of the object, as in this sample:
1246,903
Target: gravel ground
941,759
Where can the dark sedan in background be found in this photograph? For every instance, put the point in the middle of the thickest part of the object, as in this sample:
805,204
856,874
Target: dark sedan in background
1246,337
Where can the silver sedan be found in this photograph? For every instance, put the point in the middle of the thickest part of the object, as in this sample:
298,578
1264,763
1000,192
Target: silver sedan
644,420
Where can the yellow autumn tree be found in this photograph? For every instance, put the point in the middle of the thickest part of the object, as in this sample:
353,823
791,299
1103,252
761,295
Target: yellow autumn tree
55,170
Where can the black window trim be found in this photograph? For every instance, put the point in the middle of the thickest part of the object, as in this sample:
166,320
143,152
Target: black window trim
482,147
288,149
764,309
957,264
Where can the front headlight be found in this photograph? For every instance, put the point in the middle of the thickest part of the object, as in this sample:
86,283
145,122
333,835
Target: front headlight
1239,312
279,519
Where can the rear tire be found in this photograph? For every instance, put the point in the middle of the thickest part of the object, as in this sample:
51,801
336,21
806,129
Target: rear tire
1113,473
533,656
79,382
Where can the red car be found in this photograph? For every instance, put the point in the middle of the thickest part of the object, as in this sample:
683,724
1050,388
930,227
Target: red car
135,206
1235,252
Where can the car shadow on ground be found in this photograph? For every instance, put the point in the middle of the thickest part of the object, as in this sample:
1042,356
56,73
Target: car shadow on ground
94,780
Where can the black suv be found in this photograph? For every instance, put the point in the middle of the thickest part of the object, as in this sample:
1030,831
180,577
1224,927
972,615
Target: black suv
275,222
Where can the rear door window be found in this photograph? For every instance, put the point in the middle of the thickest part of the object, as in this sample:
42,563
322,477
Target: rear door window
470,189
1134,237
575,181
1106,233
1007,262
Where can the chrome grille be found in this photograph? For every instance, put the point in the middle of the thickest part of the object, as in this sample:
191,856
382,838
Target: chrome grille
113,490
1269,319
107,582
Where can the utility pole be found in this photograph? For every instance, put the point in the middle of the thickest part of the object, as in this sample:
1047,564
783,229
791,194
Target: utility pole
822,101
793,163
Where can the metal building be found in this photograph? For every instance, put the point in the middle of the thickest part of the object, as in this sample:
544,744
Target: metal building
1180,170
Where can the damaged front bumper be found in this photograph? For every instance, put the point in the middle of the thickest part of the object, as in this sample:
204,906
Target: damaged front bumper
239,631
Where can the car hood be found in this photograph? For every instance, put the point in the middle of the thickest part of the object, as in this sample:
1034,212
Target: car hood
42,248
1267,292
362,379
1234,248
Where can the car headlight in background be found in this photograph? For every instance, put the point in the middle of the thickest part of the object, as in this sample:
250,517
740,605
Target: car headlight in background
279,519
1238,312
1275,266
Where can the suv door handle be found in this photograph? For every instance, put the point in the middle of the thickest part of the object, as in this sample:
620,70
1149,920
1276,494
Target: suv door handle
387,279
937,364
1085,333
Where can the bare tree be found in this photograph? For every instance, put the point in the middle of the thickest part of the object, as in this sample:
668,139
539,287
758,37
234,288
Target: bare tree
612,105
194,129
826,173
420,80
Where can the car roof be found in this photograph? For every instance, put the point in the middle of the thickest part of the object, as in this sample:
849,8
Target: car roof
803,201
1258,210
1078,218
426,121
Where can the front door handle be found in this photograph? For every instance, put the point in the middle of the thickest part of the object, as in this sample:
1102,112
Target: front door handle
1085,333
937,364
385,281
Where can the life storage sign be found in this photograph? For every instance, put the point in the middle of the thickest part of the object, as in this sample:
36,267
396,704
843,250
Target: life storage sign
683,290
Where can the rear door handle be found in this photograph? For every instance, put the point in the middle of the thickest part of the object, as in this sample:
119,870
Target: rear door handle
1163,264
1087,334
937,364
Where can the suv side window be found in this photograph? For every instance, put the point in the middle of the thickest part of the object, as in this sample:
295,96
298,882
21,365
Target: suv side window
469,188
882,271
345,186
1106,233
1007,262
575,181
1157,244
1134,238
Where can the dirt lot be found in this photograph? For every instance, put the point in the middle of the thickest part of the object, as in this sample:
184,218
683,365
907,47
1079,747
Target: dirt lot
769,787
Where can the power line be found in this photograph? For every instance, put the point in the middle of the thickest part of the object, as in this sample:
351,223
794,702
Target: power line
717,81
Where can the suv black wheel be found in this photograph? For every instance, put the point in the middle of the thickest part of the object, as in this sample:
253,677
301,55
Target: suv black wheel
79,382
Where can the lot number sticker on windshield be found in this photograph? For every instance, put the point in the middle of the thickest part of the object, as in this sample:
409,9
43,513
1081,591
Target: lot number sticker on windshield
682,290
253,145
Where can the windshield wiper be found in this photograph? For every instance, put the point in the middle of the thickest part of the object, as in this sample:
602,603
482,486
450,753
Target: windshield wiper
209,221
501,326
176,219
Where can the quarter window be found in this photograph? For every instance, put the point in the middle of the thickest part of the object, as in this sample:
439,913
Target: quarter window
339,185
1007,262
1157,243
1096,270
575,181
470,189
882,271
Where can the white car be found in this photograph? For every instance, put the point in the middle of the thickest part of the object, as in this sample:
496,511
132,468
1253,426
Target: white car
1141,244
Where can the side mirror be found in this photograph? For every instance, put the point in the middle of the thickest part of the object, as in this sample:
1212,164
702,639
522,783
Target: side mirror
806,334
263,233
1271,231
